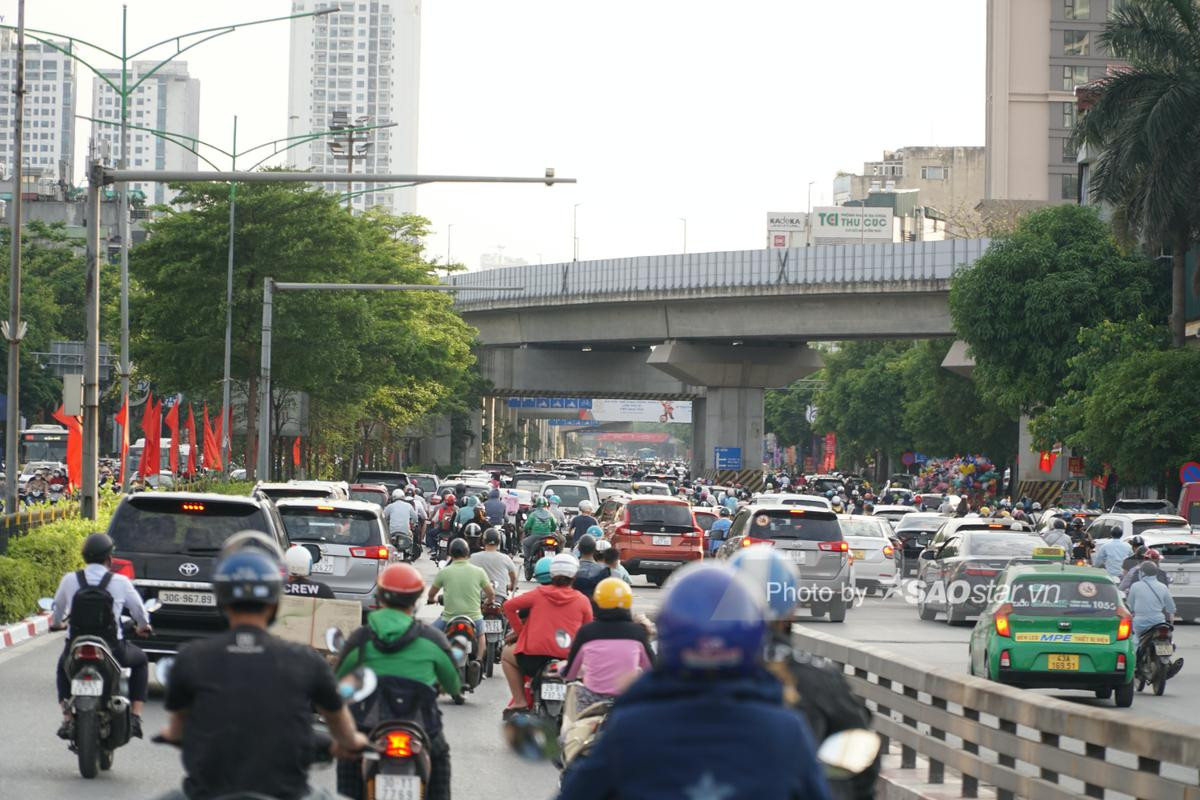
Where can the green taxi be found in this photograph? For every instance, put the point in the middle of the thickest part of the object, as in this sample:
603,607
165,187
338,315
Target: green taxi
1056,626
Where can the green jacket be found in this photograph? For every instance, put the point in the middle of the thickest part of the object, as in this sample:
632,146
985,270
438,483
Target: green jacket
426,658
540,521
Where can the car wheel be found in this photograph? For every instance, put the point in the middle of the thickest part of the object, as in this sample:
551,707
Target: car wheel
955,615
1104,694
657,578
837,610
925,612
1124,695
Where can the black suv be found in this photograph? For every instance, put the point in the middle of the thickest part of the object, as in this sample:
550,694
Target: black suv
167,544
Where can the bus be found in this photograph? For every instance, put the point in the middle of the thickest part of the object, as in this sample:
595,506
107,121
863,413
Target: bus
134,461
44,443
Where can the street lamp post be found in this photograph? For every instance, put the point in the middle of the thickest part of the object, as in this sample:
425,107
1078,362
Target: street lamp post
684,221
13,329
575,232
808,217
449,228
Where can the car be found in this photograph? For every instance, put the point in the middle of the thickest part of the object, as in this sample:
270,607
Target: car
896,496
571,493
320,489
956,576
650,487
874,557
954,525
426,483
1189,502
1056,626
352,541
610,486
786,499
914,532
167,544
931,501
820,484
901,480
812,539
392,479
1132,524
705,517
370,493
1142,506
1180,549
656,535
610,506
532,480
893,513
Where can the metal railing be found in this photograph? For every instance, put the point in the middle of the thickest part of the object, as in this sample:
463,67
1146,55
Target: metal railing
20,523
714,273
1025,744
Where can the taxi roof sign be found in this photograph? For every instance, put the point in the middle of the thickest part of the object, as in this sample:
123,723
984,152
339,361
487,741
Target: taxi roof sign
1049,553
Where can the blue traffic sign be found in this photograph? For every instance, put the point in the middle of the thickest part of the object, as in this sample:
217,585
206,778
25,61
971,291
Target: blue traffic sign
727,457
549,402
1189,472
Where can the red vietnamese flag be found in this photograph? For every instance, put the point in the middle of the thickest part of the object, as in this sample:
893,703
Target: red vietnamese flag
172,423
191,431
122,419
1047,459
296,452
212,454
151,462
74,448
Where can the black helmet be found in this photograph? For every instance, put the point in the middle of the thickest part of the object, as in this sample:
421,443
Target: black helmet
724,511
1136,541
97,548
1057,524
459,549
491,536
247,576
1077,522
586,544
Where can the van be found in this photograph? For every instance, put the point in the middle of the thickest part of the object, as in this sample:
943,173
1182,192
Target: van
1189,503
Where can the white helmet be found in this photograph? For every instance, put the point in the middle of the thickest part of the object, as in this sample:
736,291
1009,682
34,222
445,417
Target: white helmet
397,494
298,561
585,507
564,565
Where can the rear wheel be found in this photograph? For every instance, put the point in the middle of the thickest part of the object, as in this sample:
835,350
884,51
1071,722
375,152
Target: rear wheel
1124,695
925,612
87,743
1160,679
1104,694
837,610
489,659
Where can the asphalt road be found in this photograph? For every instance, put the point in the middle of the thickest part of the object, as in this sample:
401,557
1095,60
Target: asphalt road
36,764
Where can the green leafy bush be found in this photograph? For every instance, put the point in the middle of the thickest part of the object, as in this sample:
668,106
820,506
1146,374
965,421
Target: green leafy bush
19,591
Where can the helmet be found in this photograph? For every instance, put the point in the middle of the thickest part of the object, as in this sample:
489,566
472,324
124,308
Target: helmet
724,511
247,576
595,531
298,560
709,622
539,502
613,593
410,490
1153,555
397,494
585,507
984,511
1077,523
555,500
491,536
1037,506
97,548
1057,524
459,548
602,545
1136,541
586,544
450,501
252,540
563,565
400,579
770,576
541,570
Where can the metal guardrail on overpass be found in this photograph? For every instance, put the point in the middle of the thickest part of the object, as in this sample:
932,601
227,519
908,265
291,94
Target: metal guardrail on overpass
1026,744
718,273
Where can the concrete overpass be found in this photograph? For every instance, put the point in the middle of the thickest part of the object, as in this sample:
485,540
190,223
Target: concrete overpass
716,328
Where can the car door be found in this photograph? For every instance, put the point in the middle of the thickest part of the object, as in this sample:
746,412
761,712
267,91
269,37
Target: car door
736,531
941,567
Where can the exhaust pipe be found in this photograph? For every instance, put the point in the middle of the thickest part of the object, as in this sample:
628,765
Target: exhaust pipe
119,705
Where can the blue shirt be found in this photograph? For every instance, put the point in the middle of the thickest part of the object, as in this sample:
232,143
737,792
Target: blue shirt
1150,602
1111,555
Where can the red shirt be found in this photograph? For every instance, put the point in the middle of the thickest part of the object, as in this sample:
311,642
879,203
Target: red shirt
551,609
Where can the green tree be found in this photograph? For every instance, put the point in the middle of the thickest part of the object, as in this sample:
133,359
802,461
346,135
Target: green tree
785,412
860,400
1021,306
1144,127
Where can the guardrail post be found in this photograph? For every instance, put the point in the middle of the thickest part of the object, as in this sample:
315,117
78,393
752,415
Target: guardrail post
1096,751
1052,740
908,756
970,784
937,770
1006,761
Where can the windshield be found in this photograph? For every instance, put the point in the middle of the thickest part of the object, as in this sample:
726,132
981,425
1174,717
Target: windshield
1143,525
861,527
668,514
151,526
42,447
823,485
280,492
1043,597
651,488
705,521
613,483
331,527
1000,544
787,525
1179,552
569,495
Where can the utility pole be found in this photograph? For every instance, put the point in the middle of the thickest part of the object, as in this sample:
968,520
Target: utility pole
88,505
14,330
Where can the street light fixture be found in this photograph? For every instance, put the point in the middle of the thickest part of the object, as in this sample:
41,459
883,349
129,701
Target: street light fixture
575,231
344,145
684,221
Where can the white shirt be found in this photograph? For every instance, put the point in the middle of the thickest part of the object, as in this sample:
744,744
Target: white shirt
124,596
421,506
399,516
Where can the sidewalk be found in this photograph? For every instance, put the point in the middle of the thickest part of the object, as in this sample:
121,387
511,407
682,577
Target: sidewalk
17,632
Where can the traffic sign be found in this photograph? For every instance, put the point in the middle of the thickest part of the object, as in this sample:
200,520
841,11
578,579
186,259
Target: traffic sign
810,413
908,459
727,457
1189,472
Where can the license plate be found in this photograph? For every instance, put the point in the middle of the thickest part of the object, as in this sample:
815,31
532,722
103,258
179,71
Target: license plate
1062,662
324,566
397,787
859,554
87,688
662,540
493,626
1181,578
187,598
798,556
554,691
1163,648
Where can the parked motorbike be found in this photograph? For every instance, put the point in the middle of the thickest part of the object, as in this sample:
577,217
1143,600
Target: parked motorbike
1155,653
461,633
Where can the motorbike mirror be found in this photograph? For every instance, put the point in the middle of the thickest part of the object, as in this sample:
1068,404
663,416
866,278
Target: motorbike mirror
562,639
152,605
532,737
46,603
314,550
162,670
850,751
359,684
335,640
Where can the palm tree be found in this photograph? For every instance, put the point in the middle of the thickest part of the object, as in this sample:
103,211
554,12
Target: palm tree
1144,129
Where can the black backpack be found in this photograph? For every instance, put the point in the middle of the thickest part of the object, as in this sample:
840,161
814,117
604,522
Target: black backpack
92,610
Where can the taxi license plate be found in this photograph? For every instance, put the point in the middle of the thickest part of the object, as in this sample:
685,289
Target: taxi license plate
324,566
1163,648
493,626
662,540
1062,662
87,688
397,787
859,554
554,691
187,598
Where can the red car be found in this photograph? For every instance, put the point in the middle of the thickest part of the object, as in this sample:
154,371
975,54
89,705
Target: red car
656,535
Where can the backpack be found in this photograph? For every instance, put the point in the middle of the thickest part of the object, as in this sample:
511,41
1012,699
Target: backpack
92,610
446,521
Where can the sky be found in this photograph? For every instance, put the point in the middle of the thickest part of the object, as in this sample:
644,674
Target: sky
664,110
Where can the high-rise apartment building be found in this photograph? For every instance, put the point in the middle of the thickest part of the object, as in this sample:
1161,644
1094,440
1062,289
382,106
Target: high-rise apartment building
49,125
1038,51
168,101
358,66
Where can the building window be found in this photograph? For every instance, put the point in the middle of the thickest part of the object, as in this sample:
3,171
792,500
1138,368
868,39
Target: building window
935,173
1074,76
1069,153
1068,114
1076,43
1070,187
1077,9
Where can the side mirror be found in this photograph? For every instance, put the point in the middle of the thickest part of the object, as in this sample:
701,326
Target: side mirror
927,555
358,685
162,670
850,752
335,640
46,603
152,605
314,550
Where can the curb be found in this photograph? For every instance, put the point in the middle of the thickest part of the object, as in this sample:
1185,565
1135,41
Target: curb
28,628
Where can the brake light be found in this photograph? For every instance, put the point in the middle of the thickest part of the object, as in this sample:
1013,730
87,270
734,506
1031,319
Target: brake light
194,508
888,551
834,547
996,526
87,652
399,744
123,566
693,533
1124,624
325,508
980,571
374,551
796,511
748,541
1005,659
551,540
1162,633
1120,662
1002,626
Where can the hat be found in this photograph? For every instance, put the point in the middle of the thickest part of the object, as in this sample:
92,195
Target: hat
564,565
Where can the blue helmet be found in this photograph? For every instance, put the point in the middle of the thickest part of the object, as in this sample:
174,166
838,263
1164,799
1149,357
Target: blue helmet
247,576
709,622
771,577
541,570
596,531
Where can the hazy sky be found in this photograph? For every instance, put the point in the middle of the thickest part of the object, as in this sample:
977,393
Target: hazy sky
716,112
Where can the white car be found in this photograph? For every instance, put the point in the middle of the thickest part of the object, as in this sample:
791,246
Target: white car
784,499
571,493
874,566
1180,549
1132,524
893,513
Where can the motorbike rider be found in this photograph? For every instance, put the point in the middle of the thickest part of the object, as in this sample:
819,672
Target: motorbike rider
690,727
1131,573
460,583
1056,536
494,509
554,611
466,511
408,657
1112,553
591,571
500,569
443,522
718,531
555,509
1137,556
298,561
400,515
219,711
812,685
610,556
97,559
1151,604
581,523
538,524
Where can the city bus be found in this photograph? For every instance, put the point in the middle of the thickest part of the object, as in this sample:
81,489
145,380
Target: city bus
44,443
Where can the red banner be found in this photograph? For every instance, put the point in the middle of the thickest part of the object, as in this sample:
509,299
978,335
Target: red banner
657,438
74,448
830,462
1046,460
296,452
172,423
191,429
122,419
151,462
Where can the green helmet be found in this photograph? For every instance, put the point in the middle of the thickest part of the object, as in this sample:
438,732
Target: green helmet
541,570
539,502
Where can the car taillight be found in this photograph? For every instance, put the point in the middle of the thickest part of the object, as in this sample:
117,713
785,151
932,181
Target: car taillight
1124,624
982,571
748,541
399,744
1120,662
694,532
123,566
1005,659
834,547
1002,626
888,551
87,652
379,551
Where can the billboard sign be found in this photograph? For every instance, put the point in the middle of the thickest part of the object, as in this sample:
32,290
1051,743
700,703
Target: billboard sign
850,222
640,411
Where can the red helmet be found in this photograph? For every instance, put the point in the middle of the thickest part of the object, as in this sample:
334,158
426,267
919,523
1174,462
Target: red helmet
401,579
450,500
1153,555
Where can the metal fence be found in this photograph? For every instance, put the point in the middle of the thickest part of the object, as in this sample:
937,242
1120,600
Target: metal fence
1025,744
714,272
19,524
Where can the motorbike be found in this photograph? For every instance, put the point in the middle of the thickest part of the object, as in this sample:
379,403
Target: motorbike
580,734
407,545
512,540
1154,658
462,635
550,545
495,626
547,691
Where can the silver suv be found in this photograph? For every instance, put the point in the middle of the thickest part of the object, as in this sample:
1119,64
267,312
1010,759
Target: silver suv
812,539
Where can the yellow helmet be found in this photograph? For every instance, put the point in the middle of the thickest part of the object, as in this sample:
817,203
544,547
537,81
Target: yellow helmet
613,593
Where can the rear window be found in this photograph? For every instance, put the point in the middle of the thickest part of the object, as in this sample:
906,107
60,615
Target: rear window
368,497
280,492
180,526
1143,525
705,521
787,525
909,522
425,483
825,484
1000,544
664,514
330,527
609,483
1054,598
570,496
857,527
651,488
1179,552
1193,513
